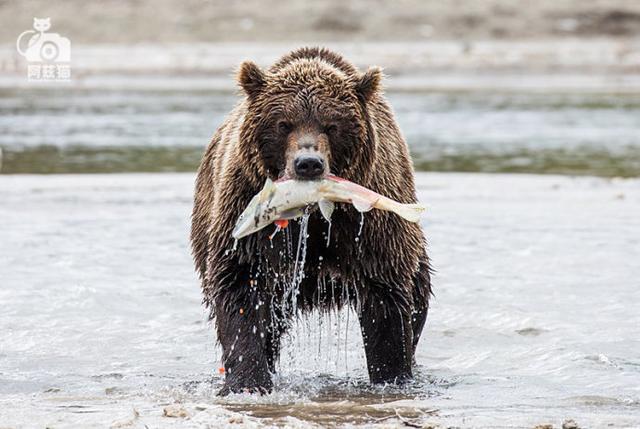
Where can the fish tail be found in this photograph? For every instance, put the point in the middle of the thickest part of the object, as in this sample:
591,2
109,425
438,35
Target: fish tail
410,212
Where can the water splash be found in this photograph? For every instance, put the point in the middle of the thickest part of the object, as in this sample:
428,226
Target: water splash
273,234
233,248
360,227
330,347
301,257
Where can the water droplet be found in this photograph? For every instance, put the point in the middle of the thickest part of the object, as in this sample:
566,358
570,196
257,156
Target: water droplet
361,225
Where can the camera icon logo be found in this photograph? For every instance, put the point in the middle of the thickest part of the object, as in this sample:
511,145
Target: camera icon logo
43,47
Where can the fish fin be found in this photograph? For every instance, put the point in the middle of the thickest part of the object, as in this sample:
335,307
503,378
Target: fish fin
362,205
326,208
410,212
267,190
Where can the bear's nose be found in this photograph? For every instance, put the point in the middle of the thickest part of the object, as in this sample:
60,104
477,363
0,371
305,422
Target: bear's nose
308,166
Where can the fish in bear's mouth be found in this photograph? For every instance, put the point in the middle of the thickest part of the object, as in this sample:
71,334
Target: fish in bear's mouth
286,199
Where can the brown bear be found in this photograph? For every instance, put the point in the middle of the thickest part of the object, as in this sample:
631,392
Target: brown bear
312,113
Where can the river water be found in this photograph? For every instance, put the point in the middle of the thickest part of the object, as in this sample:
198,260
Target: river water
163,127
535,318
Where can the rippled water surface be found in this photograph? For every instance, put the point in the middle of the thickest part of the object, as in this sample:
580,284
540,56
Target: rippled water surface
535,318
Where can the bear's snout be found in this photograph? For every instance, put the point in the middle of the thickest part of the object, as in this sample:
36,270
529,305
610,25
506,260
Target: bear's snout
308,154
308,166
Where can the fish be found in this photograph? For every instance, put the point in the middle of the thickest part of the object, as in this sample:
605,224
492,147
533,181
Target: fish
287,199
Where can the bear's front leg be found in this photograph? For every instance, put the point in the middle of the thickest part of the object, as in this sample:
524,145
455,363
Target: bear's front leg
249,340
385,321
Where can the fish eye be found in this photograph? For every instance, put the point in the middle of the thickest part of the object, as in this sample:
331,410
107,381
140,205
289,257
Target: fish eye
285,127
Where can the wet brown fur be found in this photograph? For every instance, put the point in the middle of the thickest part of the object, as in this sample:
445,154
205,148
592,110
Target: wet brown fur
384,275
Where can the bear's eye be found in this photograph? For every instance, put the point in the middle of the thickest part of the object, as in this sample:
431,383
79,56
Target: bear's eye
331,129
284,127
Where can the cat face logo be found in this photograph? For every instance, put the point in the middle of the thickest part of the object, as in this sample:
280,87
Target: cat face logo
44,47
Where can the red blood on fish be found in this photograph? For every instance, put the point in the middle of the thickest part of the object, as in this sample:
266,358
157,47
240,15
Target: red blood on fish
282,223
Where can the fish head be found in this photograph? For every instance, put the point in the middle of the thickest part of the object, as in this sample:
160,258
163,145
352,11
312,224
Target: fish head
252,218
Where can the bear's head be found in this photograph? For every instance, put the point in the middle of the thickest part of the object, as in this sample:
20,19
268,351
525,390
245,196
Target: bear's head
307,118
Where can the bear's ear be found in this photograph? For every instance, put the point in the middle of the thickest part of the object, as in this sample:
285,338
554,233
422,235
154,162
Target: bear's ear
251,78
369,83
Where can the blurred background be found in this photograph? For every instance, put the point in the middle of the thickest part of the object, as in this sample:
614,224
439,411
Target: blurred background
552,86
